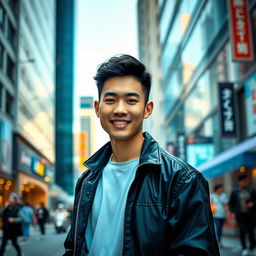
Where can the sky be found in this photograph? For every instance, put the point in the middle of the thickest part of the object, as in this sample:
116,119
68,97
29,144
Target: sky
103,29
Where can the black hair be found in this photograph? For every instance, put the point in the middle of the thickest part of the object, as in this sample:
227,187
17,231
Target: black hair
123,65
242,176
217,186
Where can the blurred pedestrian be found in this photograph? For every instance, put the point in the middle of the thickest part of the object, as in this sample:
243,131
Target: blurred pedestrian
136,198
12,218
42,216
28,217
220,200
242,204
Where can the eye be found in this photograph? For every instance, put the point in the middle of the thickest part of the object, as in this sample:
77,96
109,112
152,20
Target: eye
109,100
132,101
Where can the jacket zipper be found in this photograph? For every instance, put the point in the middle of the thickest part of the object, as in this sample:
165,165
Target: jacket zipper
125,215
74,253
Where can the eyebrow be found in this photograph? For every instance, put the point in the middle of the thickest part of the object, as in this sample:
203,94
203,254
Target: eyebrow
129,94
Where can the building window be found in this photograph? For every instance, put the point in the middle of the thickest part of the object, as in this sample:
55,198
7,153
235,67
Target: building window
2,15
11,34
13,5
9,105
1,57
10,69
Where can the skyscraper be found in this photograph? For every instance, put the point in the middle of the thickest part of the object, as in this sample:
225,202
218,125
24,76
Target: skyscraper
64,96
8,91
34,113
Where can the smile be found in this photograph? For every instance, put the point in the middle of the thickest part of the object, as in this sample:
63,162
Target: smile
120,123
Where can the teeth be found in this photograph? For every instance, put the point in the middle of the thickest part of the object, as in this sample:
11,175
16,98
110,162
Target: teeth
120,122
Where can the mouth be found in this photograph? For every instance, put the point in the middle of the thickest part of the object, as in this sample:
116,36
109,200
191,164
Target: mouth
120,123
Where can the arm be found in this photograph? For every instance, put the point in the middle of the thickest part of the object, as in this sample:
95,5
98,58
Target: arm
191,220
69,241
17,219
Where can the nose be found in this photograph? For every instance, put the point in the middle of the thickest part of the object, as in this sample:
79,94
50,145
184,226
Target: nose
120,108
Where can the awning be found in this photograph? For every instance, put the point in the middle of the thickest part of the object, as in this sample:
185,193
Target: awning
237,156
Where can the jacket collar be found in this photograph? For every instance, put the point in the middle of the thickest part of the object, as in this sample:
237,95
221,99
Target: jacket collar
149,154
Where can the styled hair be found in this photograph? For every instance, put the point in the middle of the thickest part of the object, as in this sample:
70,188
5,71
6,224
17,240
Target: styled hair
217,186
123,65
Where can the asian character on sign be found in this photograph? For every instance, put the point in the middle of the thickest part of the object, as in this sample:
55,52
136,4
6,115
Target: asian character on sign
242,48
240,24
238,3
228,121
240,13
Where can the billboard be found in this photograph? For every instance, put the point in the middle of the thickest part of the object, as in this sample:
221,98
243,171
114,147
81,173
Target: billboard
6,146
250,98
227,109
240,29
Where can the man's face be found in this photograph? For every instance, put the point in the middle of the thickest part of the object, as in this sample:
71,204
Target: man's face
11,200
243,183
122,108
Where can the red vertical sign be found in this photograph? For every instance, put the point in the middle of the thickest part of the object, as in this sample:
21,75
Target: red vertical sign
240,27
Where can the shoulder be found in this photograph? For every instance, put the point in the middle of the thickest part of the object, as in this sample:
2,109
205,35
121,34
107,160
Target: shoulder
175,165
179,172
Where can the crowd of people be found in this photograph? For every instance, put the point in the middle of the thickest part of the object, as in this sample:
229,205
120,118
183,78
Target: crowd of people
17,217
241,206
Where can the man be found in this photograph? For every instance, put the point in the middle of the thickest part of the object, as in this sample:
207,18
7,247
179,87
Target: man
42,215
135,198
28,218
242,205
12,218
219,198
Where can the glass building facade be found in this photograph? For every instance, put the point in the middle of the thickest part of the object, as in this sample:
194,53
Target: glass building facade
35,107
64,96
9,30
196,55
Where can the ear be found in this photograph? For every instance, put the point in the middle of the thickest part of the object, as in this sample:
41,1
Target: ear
96,108
148,109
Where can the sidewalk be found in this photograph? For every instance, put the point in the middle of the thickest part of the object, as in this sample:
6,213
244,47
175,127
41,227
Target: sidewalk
231,245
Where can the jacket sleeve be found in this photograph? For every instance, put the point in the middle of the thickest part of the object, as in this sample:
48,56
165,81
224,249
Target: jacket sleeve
191,220
69,241
19,218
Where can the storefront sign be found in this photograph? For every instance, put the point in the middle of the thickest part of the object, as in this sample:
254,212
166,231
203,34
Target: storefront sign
29,162
240,29
250,96
227,109
49,173
5,146
24,158
37,166
181,145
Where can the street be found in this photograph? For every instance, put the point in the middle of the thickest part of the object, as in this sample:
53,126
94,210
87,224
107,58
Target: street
51,245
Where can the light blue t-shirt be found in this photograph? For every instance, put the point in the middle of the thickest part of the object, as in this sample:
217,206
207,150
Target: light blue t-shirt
104,232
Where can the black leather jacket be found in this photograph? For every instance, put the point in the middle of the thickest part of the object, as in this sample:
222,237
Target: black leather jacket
234,203
167,210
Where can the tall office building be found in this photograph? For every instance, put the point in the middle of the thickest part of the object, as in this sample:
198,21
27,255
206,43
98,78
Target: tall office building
208,81
64,96
34,112
149,54
9,22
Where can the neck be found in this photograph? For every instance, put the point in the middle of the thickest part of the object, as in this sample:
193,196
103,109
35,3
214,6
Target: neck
124,151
